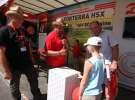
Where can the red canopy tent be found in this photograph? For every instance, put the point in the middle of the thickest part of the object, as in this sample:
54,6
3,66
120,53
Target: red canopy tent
42,17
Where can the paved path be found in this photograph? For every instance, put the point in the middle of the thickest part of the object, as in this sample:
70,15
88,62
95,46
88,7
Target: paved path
4,90
24,86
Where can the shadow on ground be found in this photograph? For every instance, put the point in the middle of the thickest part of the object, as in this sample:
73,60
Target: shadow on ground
125,94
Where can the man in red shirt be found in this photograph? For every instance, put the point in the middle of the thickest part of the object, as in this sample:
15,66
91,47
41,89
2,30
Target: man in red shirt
55,46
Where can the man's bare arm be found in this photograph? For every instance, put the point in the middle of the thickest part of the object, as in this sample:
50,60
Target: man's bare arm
57,53
115,55
4,63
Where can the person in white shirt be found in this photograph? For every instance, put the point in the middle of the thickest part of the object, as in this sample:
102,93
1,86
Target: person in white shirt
109,48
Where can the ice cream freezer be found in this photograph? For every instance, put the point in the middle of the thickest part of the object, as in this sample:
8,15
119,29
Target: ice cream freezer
61,83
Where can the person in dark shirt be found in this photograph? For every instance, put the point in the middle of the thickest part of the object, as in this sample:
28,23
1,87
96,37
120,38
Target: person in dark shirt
14,55
76,54
30,38
2,19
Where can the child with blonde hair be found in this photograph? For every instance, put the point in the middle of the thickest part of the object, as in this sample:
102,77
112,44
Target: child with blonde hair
94,71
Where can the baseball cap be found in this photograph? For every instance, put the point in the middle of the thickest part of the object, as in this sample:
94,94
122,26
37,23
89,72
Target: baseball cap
97,41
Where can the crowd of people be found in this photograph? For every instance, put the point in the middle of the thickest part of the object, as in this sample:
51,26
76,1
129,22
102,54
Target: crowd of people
100,65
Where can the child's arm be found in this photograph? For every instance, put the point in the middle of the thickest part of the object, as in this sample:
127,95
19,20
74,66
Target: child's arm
87,68
107,78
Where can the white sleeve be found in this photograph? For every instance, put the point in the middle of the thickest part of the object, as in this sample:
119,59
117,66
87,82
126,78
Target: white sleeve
112,39
107,62
106,67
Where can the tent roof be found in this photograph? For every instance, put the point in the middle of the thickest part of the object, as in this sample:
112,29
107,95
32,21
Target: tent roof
39,6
